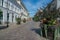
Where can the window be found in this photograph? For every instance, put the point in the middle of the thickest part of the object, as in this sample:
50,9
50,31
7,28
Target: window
0,2
15,9
8,5
18,10
12,7
5,4
12,17
15,16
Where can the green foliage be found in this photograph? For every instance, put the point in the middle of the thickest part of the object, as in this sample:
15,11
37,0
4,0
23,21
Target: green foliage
36,18
18,20
24,20
52,22
1,13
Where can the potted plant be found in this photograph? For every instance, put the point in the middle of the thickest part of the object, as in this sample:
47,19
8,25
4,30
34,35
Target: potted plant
48,27
18,20
24,20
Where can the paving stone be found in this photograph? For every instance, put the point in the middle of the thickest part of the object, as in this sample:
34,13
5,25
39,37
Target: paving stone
22,32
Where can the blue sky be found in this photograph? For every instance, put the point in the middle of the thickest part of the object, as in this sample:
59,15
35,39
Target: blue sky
33,5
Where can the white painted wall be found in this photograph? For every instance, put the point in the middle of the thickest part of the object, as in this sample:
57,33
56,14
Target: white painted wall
4,15
58,4
0,2
16,12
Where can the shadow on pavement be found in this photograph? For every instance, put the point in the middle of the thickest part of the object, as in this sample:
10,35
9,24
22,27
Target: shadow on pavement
37,30
3,27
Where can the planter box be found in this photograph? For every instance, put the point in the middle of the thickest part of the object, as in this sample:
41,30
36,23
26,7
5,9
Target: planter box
50,32
57,33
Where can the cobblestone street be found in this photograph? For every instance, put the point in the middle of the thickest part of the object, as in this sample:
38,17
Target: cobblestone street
22,32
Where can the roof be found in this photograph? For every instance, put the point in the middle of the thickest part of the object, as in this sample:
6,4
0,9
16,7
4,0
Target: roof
23,5
15,3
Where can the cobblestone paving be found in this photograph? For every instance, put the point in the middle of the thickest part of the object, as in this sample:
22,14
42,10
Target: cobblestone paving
22,32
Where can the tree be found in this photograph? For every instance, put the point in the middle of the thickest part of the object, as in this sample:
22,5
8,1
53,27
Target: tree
50,12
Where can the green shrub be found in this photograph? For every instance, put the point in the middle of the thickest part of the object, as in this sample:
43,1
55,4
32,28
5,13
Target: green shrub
52,22
18,20
24,20
36,18
1,15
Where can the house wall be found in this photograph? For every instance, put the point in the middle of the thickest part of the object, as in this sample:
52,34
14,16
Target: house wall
13,9
58,4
